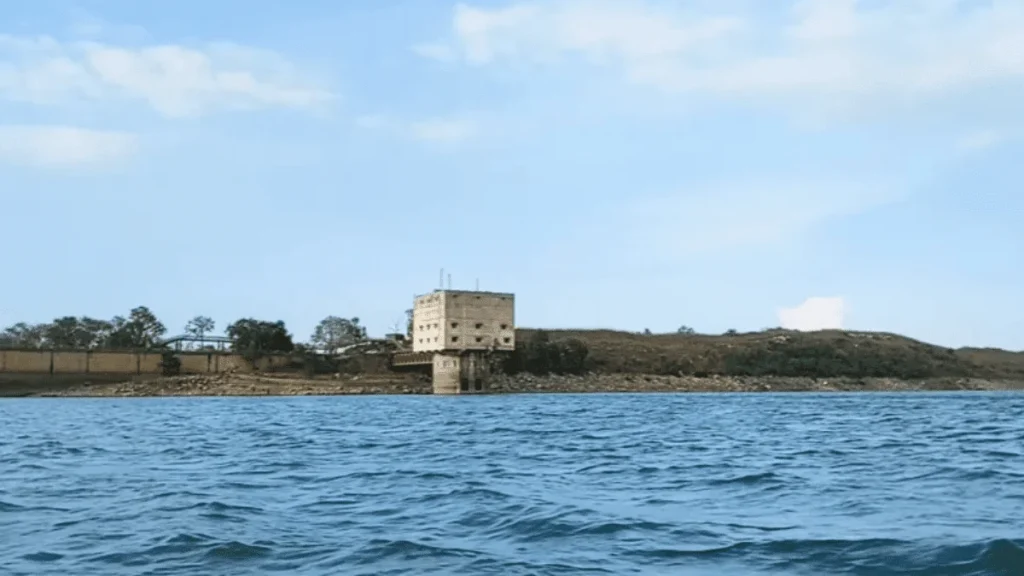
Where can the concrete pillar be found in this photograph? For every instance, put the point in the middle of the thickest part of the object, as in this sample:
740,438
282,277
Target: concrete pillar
466,373
446,372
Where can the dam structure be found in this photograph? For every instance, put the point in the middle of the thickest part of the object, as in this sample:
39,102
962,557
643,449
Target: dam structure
462,332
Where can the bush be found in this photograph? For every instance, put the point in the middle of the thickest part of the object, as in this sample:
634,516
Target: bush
542,356
830,359
170,365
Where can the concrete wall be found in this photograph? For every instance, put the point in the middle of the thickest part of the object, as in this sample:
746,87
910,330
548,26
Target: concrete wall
427,323
112,362
456,320
446,374
465,373
479,321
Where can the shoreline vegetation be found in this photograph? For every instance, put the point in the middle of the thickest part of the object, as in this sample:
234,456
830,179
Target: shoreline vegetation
544,361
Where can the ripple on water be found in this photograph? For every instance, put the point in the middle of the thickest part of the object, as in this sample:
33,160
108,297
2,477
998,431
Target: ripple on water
632,484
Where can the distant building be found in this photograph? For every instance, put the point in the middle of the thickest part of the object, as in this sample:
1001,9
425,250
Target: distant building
460,320
462,328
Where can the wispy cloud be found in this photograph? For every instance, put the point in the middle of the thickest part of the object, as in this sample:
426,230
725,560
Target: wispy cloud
742,214
441,131
835,48
174,80
64,146
652,234
816,313
436,51
979,140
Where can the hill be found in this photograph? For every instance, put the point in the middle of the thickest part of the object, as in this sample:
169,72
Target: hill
777,352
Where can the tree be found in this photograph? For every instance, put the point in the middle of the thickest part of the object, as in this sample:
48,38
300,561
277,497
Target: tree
120,336
254,337
76,333
541,355
573,356
62,333
199,327
731,332
647,332
334,332
685,330
408,323
23,335
141,329
93,333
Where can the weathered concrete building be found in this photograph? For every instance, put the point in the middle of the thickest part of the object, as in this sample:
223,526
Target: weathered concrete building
463,330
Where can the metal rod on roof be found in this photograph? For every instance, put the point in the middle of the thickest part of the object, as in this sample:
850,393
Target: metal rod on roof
449,281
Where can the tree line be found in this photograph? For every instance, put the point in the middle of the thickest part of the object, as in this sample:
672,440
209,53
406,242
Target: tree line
141,329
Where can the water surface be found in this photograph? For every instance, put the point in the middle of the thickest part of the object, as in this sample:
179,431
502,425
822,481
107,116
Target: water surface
591,484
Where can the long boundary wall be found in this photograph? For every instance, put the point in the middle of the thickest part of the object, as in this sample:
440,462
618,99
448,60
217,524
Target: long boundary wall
56,362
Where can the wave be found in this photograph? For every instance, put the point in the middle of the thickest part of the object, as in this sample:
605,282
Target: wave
195,547
748,479
878,557
380,550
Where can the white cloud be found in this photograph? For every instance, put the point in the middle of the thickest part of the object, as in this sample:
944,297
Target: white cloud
435,51
814,314
439,131
63,146
979,140
443,130
833,48
174,80
738,214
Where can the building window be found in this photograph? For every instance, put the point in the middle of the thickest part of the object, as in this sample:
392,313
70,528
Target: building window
435,338
507,339
464,384
421,340
478,384
455,338
479,339
504,326
455,324
479,325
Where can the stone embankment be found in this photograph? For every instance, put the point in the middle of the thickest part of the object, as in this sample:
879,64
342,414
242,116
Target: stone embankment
597,383
249,385
266,385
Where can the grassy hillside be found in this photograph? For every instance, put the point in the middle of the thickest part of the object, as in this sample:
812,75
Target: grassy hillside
783,353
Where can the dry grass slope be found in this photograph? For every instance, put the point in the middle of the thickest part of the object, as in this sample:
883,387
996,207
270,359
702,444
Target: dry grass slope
786,353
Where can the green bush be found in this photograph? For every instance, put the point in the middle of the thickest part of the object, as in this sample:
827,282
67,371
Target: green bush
170,365
542,356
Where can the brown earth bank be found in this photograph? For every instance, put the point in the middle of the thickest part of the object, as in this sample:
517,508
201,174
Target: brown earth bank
249,385
605,383
238,385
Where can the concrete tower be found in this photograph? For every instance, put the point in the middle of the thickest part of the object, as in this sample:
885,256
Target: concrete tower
463,329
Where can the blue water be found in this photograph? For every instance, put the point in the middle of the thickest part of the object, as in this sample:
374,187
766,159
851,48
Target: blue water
599,484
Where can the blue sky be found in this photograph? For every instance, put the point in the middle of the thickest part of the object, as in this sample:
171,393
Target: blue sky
645,164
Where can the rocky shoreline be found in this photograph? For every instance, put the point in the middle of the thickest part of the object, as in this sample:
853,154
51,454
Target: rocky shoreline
606,383
398,384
